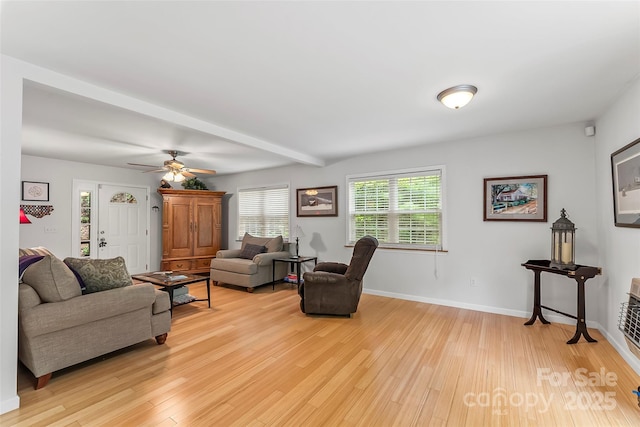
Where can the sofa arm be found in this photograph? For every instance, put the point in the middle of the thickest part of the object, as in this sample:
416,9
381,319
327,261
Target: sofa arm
323,278
161,303
332,267
228,253
27,297
268,257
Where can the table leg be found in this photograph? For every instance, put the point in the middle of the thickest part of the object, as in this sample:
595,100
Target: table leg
581,325
273,275
537,310
298,274
208,293
170,290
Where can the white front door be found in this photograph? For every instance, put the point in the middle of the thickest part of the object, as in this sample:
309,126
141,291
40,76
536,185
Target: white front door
122,225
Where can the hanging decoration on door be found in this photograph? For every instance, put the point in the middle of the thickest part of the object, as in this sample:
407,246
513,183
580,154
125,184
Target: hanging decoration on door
37,211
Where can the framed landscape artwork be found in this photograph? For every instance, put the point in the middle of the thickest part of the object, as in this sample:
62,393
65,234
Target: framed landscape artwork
318,201
516,198
625,168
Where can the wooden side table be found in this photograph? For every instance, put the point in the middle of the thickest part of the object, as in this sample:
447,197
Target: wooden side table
292,262
581,274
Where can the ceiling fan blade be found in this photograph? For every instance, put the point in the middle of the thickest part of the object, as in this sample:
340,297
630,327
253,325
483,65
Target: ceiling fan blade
209,171
187,174
146,166
155,170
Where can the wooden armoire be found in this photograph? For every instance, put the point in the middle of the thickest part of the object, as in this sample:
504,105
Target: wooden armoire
191,229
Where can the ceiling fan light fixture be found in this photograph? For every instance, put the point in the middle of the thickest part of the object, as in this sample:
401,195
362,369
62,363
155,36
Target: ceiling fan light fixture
458,96
173,176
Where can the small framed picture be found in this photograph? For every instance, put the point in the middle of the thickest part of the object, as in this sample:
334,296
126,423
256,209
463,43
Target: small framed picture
625,168
318,201
516,198
35,191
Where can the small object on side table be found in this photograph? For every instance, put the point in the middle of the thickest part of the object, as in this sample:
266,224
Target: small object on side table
295,262
169,283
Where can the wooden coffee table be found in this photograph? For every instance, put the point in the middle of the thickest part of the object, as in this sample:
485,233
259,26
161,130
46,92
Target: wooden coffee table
166,283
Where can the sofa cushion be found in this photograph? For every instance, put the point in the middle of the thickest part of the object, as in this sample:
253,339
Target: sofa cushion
101,274
25,261
273,244
249,251
235,265
52,280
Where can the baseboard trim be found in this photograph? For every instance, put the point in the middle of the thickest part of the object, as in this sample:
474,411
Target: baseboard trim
9,404
476,307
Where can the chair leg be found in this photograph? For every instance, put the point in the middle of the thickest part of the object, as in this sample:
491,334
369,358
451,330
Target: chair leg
160,339
42,381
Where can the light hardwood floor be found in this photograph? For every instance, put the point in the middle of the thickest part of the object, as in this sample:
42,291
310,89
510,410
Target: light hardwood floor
255,359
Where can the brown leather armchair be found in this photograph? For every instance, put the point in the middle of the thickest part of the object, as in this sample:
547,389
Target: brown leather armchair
335,288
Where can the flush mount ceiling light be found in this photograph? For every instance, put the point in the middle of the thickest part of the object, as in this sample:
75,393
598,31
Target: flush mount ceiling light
458,96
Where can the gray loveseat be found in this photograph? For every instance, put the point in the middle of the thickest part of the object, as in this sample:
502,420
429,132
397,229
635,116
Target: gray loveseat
251,265
59,326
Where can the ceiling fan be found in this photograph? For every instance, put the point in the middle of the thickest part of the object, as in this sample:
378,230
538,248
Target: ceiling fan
174,170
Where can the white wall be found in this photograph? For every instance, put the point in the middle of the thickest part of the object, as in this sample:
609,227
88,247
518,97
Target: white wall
489,252
11,107
620,247
60,175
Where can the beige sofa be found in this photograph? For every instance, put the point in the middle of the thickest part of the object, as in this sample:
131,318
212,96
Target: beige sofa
59,326
251,265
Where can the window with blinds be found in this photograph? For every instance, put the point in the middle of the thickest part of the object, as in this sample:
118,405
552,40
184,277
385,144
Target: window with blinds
264,211
402,209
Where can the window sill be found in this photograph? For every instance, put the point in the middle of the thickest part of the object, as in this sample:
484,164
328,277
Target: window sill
405,248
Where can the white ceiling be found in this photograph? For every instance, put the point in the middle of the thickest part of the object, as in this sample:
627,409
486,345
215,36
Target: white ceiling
278,82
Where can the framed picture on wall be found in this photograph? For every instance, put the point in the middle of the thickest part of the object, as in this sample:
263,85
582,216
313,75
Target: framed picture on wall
35,191
516,198
318,201
625,169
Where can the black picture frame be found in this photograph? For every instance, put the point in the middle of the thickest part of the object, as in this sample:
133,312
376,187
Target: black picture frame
515,198
317,201
625,177
35,191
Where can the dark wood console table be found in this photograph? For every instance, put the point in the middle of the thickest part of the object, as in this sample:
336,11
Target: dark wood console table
580,274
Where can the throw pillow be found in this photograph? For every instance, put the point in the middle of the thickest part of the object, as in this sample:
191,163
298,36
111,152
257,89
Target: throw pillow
100,274
52,280
249,251
38,250
274,245
25,261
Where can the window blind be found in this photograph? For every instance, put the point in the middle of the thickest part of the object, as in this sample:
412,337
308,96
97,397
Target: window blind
400,209
264,211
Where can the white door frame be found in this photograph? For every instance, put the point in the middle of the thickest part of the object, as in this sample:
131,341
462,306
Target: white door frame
92,186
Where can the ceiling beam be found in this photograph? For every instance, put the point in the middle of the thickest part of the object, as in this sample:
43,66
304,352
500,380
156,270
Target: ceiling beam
60,81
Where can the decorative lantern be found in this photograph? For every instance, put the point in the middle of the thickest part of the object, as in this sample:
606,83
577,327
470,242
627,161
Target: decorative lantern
563,243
